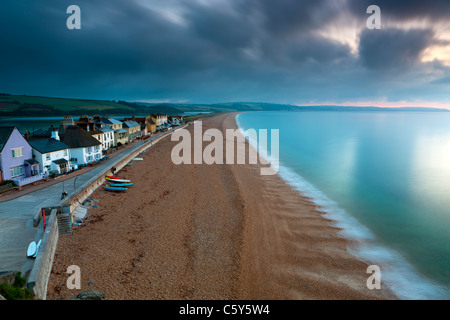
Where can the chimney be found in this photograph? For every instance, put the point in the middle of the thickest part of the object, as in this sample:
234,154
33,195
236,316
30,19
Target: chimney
55,135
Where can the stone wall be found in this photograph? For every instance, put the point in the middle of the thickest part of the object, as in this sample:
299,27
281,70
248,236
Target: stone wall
42,267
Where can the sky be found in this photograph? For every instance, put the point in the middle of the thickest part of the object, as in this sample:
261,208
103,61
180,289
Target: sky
301,52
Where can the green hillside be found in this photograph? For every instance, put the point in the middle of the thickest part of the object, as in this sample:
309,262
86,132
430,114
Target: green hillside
31,106
228,107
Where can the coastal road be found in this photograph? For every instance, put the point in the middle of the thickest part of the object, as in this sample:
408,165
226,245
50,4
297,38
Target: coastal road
16,215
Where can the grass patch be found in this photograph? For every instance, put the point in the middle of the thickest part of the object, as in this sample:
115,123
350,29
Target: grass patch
16,291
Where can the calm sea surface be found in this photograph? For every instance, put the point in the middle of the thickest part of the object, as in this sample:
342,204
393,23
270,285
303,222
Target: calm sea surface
382,176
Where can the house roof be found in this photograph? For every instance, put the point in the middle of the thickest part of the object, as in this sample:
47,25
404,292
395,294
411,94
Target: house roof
111,121
94,131
130,124
40,133
75,137
138,120
105,130
5,133
47,145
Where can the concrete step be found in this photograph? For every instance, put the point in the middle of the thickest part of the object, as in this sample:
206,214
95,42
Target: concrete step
64,224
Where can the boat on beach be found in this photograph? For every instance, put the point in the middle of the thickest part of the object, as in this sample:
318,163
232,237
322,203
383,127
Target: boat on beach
32,247
37,248
121,184
118,180
117,189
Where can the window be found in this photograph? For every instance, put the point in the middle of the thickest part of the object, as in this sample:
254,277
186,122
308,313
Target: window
17,152
47,156
16,171
65,152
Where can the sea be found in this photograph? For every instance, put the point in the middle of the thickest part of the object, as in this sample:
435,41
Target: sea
383,177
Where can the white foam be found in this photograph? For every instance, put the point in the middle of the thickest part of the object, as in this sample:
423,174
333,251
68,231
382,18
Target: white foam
396,272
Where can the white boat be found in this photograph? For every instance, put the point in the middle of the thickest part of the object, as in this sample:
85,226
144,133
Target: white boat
118,180
37,248
31,249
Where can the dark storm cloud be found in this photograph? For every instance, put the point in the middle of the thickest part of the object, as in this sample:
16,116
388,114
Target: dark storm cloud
123,40
228,29
119,42
221,50
393,49
284,17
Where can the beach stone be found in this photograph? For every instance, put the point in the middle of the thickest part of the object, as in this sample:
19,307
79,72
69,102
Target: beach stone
90,295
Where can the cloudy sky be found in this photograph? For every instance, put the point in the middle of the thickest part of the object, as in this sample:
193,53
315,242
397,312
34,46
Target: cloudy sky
303,52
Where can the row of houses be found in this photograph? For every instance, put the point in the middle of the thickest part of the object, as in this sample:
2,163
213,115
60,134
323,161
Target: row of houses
29,158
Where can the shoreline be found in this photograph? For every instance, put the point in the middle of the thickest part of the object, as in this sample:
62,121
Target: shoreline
208,232
398,273
300,218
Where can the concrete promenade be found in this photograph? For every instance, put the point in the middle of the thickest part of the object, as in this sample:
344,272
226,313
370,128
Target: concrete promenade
17,215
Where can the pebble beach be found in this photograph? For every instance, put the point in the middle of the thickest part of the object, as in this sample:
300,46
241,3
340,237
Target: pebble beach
198,231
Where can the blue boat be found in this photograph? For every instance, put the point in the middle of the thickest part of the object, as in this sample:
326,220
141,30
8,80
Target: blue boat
115,188
121,184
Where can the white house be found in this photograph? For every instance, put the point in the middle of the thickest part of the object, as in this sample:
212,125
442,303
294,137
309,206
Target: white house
84,148
52,154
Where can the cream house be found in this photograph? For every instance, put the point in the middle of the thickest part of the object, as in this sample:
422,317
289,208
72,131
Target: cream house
120,134
133,128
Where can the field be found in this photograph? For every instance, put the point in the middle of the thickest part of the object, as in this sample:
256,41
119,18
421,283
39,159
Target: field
15,105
